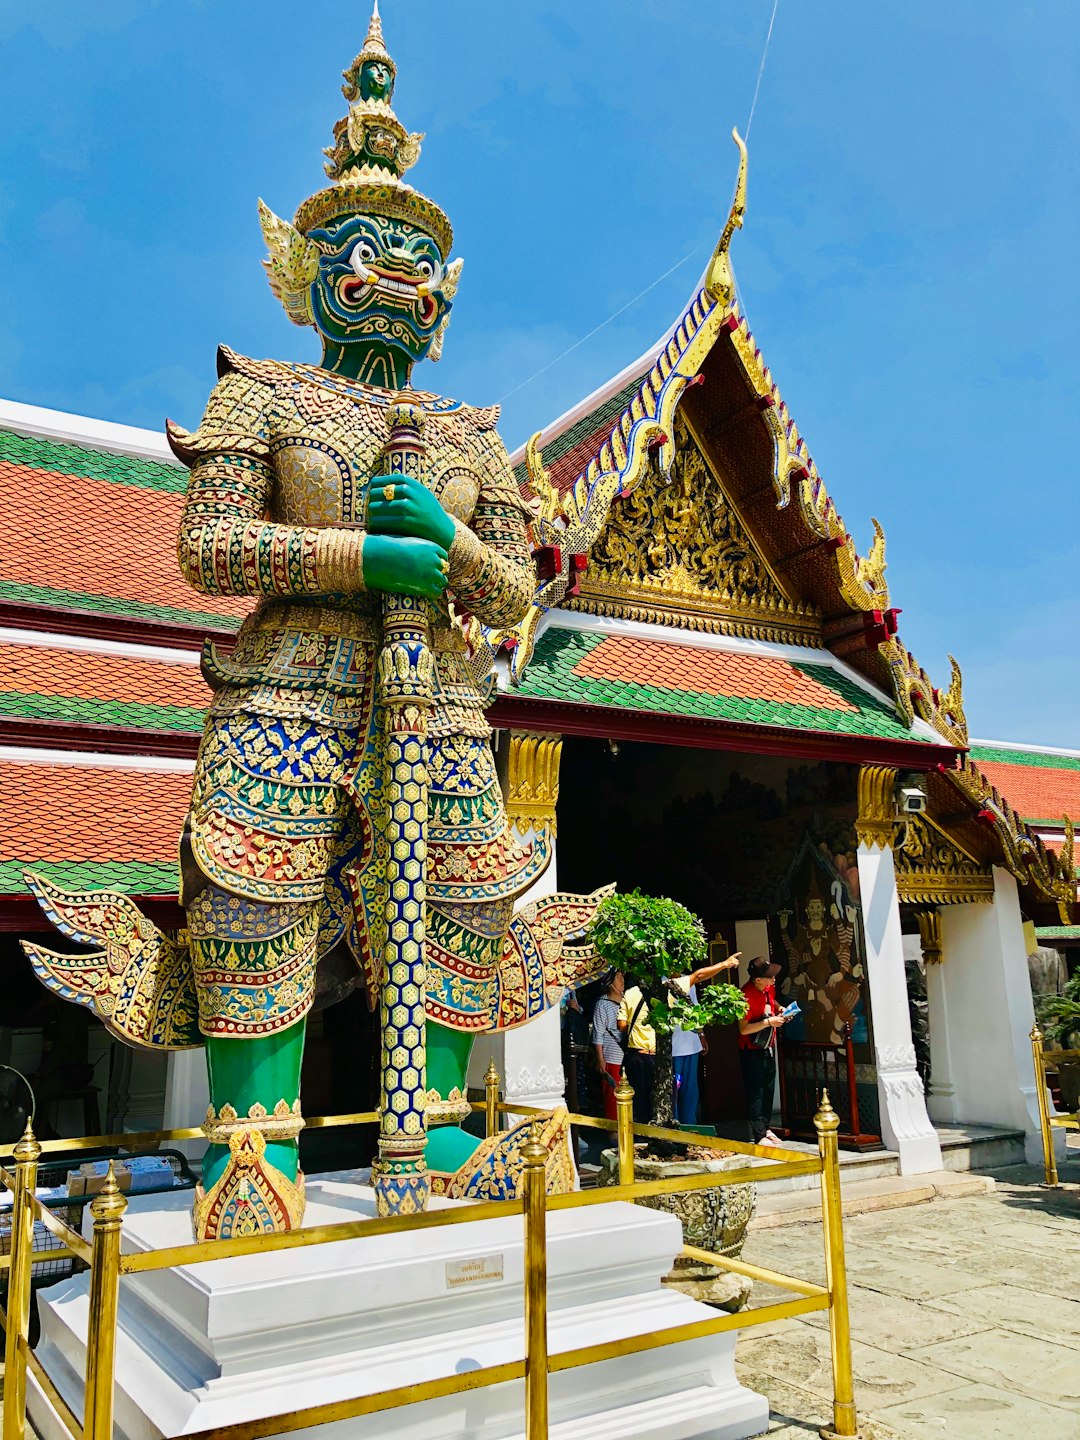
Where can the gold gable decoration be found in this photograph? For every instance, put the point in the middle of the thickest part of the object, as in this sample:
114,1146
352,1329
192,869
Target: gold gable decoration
675,552
1026,857
932,869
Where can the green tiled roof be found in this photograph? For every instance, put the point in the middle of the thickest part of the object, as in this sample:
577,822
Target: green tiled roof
129,877
1058,932
1006,755
66,459
110,605
607,411
116,714
550,676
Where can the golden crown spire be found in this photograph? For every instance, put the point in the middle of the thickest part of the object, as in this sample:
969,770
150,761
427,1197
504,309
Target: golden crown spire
374,49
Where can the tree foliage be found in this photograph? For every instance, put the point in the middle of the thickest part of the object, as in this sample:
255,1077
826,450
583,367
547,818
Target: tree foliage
652,940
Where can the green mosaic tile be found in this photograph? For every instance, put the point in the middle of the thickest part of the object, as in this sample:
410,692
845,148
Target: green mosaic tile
66,459
1058,932
550,676
116,714
109,605
129,877
607,411
1000,755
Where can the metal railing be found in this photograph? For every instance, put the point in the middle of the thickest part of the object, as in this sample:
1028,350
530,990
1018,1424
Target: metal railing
108,1263
1048,1060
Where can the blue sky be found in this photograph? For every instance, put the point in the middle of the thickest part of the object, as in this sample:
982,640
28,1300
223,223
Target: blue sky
909,262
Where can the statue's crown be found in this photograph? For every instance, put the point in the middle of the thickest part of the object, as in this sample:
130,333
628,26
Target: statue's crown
371,152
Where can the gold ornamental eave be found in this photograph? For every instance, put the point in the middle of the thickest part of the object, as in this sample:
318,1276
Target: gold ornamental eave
1051,877
934,868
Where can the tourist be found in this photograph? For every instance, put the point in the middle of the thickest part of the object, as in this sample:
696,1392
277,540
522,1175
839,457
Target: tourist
608,1040
640,1059
757,1047
687,1046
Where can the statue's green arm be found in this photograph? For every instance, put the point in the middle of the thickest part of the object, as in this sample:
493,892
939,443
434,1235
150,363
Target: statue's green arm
226,545
491,568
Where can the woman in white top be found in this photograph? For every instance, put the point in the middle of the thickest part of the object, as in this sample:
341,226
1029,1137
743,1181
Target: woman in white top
608,1039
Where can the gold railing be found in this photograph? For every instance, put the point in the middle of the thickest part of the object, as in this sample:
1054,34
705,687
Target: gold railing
108,1264
1046,1060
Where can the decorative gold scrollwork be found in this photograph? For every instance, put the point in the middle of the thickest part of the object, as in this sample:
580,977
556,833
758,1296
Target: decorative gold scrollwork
877,817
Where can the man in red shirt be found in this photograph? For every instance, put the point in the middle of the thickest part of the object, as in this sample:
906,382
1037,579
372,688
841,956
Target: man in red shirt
757,1047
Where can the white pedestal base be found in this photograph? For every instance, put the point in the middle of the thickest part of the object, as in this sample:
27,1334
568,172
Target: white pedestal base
244,1339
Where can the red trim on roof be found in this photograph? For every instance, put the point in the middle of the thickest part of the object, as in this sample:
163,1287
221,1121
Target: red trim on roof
518,712
103,739
22,915
93,625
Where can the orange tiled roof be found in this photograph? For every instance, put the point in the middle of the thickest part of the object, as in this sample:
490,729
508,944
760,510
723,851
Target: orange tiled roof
707,672
89,531
582,667
92,825
94,687
1038,785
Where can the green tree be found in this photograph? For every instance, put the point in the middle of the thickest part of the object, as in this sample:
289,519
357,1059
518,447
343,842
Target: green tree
653,941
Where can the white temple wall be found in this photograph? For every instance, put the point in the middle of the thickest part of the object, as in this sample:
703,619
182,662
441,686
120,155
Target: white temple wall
905,1124
981,1017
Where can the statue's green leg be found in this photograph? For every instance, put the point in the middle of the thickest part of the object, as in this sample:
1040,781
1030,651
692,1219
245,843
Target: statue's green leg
261,1070
448,1054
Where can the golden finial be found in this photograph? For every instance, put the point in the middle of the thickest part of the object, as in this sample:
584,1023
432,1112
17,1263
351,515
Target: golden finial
534,1151
719,279
110,1202
374,48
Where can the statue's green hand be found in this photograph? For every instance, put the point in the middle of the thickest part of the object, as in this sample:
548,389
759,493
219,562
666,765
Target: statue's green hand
404,565
413,510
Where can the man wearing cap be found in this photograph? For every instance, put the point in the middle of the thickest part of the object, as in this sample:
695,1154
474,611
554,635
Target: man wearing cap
757,1047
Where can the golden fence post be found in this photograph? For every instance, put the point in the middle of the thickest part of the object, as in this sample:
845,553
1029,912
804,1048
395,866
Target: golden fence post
1049,1158
624,1113
107,1209
827,1125
491,1099
18,1296
534,1155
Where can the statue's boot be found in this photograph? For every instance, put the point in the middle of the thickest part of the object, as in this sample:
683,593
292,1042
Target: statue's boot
464,1166
252,1183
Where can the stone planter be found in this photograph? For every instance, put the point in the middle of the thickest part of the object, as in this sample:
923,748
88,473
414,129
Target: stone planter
713,1220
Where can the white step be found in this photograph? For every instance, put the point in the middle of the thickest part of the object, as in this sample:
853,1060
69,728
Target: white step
243,1339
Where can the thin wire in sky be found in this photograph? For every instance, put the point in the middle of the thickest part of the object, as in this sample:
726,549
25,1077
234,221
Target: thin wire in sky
761,67
671,270
596,329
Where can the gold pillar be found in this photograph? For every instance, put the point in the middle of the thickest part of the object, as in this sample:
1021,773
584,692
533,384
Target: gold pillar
532,780
1049,1159
624,1113
18,1296
107,1210
930,936
534,1156
876,821
491,1100
827,1124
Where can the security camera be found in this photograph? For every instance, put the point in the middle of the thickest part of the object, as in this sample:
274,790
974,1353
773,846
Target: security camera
912,800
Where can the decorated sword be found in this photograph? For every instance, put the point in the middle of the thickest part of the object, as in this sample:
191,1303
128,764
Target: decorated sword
405,690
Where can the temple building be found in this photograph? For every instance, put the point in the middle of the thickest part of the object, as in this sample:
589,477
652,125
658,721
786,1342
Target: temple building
710,696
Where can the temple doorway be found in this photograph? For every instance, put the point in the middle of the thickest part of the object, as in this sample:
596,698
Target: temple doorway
763,849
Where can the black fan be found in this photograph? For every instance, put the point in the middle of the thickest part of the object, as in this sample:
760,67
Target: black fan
16,1104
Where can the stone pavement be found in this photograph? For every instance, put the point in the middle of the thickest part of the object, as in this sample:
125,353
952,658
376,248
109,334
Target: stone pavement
965,1318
